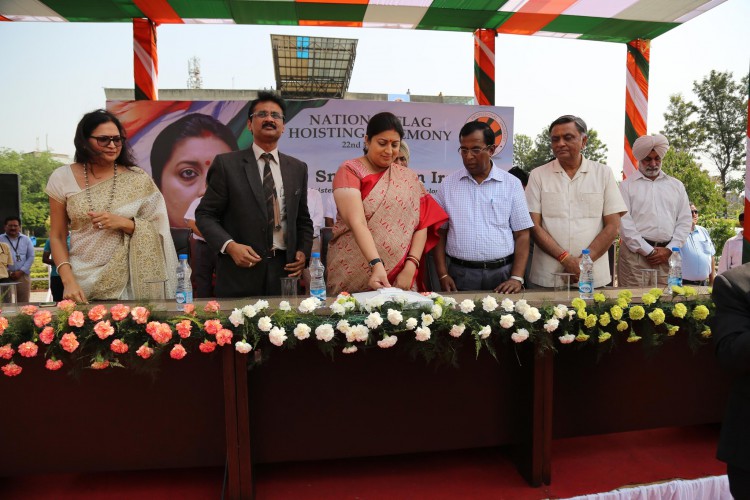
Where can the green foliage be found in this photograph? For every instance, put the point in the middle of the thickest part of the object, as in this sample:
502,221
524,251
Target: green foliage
701,189
685,134
528,154
720,230
34,171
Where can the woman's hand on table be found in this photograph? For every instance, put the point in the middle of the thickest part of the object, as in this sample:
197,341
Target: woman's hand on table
75,293
378,277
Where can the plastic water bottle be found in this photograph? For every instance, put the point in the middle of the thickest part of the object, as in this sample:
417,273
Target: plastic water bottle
586,278
675,269
317,281
184,292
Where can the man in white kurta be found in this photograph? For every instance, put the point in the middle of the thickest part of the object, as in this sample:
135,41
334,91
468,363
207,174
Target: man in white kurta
575,204
658,217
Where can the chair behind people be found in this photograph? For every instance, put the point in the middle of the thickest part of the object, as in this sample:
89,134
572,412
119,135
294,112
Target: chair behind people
181,239
431,280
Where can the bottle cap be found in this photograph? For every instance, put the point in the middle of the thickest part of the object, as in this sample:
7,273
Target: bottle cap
182,256
585,251
315,255
675,249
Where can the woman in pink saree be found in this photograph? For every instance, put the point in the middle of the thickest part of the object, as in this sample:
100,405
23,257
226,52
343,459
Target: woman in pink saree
387,221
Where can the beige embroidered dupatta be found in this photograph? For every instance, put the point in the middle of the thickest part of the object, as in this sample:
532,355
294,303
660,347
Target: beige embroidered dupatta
392,210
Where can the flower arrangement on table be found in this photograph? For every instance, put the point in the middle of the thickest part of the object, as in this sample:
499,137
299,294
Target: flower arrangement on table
98,337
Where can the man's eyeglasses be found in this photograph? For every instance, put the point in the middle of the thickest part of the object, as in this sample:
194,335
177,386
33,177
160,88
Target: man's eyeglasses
104,140
694,212
475,151
266,114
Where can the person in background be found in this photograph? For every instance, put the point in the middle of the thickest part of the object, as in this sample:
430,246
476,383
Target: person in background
575,204
658,217
181,156
698,255
387,220
329,207
55,282
120,243
22,255
202,259
731,255
403,155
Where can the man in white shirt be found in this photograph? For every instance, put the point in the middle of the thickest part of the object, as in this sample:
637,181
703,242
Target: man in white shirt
731,255
658,217
575,204
698,255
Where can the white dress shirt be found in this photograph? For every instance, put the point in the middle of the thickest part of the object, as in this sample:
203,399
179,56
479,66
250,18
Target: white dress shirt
731,256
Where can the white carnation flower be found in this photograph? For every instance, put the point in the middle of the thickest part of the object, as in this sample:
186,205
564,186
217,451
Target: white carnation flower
388,341
507,305
350,349
522,306
260,305
302,331
427,319
309,305
337,308
400,299
571,313
374,303
264,324
324,332
449,301
243,347
277,336
467,306
457,330
423,333
395,317
532,315
560,310
520,335
411,323
489,303
284,306
349,305
567,339
360,333
437,311
237,318
249,311
484,332
551,324
374,320
507,320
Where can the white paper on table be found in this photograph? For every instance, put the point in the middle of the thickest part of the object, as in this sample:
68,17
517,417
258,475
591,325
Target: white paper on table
392,294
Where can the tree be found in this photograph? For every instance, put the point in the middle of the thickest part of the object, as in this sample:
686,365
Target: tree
681,128
723,116
34,171
702,191
527,156
595,149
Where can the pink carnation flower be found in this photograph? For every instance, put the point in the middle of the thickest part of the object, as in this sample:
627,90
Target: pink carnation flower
76,319
69,342
212,306
103,329
188,308
96,313
47,335
212,326
224,337
177,352
140,315
160,332
42,318
7,351
29,310
145,351
53,364
100,364
12,369
28,349
207,346
3,324
119,346
183,328
119,312
66,305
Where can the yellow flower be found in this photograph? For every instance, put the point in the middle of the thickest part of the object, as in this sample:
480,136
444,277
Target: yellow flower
599,297
700,312
581,337
625,294
604,319
656,292
706,333
604,336
636,312
671,330
679,310
648,299
622,326
616,312
582,314
634,338
623,303
657,316
590,320
690,291
678,290
578,303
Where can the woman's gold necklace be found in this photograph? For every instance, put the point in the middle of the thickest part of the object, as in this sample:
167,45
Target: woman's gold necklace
88,194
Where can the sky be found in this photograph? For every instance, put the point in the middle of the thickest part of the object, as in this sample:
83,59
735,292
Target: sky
53,73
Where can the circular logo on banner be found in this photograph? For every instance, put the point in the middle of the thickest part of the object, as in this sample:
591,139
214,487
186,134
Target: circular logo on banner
497,125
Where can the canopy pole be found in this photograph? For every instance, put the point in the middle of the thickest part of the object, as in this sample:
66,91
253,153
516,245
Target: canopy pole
636,99
484,66
145,60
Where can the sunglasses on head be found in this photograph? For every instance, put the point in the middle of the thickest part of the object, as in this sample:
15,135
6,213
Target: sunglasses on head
104,140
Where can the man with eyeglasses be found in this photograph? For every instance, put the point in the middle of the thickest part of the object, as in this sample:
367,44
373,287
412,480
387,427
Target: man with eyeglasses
22,255
254,213
698,255
487,236
658,216
575,204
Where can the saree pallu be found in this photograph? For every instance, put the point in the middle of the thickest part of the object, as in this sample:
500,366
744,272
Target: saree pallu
396,206
113,265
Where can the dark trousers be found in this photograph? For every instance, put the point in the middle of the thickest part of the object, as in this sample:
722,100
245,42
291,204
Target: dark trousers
468,279
56,287
739,482
203,264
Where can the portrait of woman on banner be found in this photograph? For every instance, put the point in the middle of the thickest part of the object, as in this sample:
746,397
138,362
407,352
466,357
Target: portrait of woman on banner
386,219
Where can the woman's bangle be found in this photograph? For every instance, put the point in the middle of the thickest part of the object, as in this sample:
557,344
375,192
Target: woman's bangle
413,260
563,256
64,263
443,276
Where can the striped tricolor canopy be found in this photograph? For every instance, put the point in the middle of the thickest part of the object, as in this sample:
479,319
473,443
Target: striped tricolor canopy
603,20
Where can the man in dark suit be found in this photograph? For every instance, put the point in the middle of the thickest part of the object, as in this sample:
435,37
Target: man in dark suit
731,329
254,213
